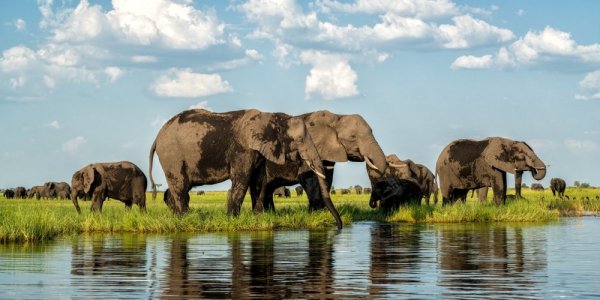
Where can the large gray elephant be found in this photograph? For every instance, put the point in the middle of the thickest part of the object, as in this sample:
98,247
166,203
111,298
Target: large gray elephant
60,190
468,164
198,147
122,181
338,138
420,174
558,185
20,192
39,192
8,193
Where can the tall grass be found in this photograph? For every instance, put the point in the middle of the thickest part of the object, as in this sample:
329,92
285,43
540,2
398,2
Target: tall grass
40,220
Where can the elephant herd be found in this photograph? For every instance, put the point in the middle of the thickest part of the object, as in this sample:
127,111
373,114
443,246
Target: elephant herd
261,152
49,190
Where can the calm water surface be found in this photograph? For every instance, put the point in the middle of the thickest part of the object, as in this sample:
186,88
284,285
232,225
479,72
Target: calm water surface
367,260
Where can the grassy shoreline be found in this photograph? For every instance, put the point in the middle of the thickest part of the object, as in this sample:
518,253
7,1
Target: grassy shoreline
41,220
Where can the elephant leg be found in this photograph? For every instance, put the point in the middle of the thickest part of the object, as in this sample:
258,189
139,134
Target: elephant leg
236,197
128,204
310,183
178,198
97,201
499,188
518,181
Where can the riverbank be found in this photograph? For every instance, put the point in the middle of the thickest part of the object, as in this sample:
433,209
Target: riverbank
39,220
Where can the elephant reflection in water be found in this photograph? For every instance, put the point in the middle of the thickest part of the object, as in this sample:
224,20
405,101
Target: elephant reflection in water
319,272
117,263
494,259
395,256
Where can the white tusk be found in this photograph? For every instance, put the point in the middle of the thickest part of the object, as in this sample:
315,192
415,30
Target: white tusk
370,164
315,170
397,165
539,168
329,168
319,174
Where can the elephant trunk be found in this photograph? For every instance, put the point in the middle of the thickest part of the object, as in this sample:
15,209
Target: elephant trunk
329,203
74,199
374,157
538,172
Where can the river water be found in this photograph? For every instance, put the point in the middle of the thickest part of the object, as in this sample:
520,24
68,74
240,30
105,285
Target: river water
366,260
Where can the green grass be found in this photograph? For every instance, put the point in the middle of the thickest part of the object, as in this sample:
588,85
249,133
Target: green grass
34,221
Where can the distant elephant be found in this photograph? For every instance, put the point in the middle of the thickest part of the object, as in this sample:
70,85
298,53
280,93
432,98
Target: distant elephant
200,193
38,192
367,190
198,147
20,192
537,187
9,194
388,194
282,192
482,193
122,181
338,138
60,190
345,191
468,164
332,190
358,189
420,174
299,191
558,185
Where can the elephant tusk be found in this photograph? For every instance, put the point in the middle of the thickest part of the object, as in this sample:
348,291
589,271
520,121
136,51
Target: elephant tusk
370,164
315,170
329,168
397,165
543,168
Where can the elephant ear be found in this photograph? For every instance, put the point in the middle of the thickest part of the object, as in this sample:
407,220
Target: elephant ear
327,143
89,175
414,169
499,154
262,132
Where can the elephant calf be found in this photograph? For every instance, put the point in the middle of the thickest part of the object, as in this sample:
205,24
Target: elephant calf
123,181
558,185
390,193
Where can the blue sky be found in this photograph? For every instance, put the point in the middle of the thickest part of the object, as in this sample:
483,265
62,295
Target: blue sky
89,81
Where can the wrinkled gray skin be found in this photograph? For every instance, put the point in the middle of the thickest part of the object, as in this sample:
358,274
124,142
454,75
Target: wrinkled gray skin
338,138
409,170
468,164
39,192
558,185
198,147
60,190
122,181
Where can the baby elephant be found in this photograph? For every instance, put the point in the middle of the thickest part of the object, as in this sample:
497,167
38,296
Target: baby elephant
393,192
123,181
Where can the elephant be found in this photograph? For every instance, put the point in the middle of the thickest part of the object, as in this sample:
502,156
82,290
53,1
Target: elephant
122,181
332,190
60,190
558,185
9,193
390,193
38,192
420,174
358,189
299,191
345,191
537,187
20,192
200,193
468,164
367,190
198,147
338,138
282,192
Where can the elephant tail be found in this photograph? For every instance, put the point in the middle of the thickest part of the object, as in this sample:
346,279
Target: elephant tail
151,159
435,188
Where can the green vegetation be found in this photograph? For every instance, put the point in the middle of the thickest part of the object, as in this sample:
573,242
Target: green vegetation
33,220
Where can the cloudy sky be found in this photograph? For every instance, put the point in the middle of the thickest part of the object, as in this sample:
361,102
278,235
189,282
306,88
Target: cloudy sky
88,81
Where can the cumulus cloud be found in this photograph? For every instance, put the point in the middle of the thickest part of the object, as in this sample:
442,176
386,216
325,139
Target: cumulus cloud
536,47
590,85
467,32
144,59
161,22
113,73
185,83
419,8
330,77
201,105
73,145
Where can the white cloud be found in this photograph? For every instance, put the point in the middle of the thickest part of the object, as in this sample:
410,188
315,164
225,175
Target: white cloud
582,146
17,58
73,145
20,24
113,73
185,83
142,59
202,104
17,82
541,47
473,62
419,8
331,75
591,85
54,125
171,24
467,32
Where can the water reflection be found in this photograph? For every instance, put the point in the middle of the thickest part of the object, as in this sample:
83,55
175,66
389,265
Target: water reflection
367,260
490,259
